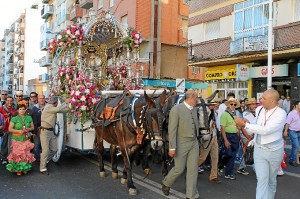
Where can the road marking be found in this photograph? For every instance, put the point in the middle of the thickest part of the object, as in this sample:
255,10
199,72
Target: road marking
149,184
292,174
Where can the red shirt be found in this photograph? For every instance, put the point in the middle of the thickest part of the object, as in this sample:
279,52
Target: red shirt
8,113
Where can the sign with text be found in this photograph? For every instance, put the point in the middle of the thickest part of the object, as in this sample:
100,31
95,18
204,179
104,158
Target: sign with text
220,74
180,84
262,71
242,72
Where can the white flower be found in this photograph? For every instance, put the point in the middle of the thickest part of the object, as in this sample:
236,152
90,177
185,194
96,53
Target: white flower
73,36
94,100
83,107
87,91
83,98
73,99
77,32
72,93
137,36
68,32
77,93
61,73
59,37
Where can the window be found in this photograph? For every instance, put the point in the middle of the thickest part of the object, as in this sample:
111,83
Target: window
184,28
297,10
251,18
100,4
111,3
212,30
124,21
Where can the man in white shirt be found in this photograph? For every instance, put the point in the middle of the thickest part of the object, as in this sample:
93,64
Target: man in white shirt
269,148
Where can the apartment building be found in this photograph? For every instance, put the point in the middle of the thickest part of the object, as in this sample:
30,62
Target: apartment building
163,25
229,45
18,52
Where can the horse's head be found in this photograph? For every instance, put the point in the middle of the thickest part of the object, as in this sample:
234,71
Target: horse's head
152,120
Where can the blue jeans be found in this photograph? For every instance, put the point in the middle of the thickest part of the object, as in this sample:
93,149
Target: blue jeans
266,164
295,139
230,153
37,147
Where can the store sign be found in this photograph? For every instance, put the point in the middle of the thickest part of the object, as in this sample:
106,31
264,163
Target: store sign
242,72
262,71
220,74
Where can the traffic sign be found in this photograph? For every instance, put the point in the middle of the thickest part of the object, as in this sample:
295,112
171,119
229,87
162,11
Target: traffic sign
180,84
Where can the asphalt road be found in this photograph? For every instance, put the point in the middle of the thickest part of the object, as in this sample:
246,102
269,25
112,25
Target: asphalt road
77,177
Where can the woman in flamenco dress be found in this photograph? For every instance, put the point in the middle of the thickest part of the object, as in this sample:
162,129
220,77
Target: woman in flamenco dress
20,158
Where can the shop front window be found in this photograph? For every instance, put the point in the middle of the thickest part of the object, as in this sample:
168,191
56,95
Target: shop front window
240,89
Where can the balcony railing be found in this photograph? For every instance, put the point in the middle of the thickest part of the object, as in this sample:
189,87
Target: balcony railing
250,44
45,61
3,49
45,38
10,51
47,11
75,13
86,4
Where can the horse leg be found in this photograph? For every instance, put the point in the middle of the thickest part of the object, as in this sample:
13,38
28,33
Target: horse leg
114,162
124,176
99,150
165,160
146,151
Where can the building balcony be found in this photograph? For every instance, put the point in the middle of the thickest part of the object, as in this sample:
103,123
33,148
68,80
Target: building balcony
10,52
62,19
45,61
75,13
45,1
11,41
3,56
21,74
12,29
45,38
47,11
3,49
9,82
20,63
86,4
44,78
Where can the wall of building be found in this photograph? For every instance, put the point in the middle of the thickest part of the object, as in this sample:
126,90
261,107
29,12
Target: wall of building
174,62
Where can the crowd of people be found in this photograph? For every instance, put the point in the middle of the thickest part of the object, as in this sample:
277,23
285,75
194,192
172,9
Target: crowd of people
27,130
234,125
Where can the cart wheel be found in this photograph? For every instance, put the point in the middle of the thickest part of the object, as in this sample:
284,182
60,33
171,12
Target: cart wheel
59,131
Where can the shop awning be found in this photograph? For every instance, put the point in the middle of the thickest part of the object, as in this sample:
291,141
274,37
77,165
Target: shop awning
172,84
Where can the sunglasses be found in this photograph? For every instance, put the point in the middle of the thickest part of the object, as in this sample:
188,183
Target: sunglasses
32,96
232,104
19,95
3,94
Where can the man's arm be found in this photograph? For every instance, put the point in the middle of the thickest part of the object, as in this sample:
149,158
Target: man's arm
172,131
286,128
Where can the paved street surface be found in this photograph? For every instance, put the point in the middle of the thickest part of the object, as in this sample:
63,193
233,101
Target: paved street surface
77,177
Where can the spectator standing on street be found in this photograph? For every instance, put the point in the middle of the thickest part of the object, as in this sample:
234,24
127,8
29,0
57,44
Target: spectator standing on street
292,129
33,99
19,97
183,144
2,126
249,114
20,158
286,105
8,112
213,147
230,137
48,139
3,97
269,146
37,113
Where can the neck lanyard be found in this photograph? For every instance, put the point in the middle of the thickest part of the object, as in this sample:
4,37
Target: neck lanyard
266,119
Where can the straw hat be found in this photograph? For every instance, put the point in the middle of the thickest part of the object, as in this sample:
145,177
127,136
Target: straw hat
251,101
233,100
215,101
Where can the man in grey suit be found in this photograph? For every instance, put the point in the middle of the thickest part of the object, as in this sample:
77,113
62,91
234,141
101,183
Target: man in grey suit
183,144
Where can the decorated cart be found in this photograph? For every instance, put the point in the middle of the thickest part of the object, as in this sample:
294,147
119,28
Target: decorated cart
100,57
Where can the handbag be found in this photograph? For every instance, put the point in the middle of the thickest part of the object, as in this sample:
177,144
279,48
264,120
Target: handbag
248,154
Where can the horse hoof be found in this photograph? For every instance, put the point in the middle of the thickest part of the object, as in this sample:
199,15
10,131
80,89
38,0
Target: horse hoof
132,192
102,174
114,175
148,171
123,181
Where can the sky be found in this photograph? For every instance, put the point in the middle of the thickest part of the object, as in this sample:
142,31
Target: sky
9,11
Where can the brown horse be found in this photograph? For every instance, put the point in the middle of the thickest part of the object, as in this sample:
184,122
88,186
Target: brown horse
136,118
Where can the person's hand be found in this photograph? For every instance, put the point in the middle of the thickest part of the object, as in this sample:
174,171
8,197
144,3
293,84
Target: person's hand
227,144
240,123
285,134
172,153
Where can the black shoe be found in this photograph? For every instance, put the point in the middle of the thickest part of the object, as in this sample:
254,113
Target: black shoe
165,189
44,172
293,164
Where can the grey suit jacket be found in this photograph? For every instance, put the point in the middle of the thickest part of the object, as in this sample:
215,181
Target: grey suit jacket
182,124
